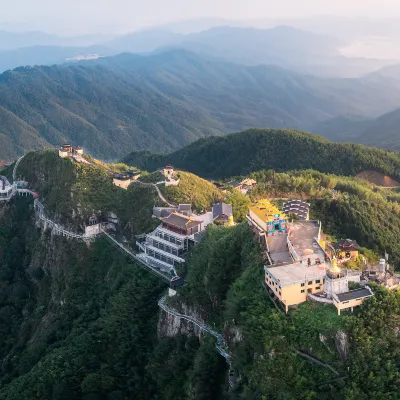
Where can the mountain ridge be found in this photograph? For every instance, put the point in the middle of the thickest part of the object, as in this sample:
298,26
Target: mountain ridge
256,149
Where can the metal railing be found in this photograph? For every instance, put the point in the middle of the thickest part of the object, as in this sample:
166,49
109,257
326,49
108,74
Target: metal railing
60,230
220,342
319,299
134,257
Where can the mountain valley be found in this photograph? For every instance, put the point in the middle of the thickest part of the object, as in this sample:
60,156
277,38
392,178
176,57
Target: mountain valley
161,102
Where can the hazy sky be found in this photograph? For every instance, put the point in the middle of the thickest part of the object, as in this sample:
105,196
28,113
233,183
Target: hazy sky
122,15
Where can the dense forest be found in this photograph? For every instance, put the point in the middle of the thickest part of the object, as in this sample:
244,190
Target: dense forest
282,150
81,321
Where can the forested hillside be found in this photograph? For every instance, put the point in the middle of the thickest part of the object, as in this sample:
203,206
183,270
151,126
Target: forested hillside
255,149
73,192
163,101
81,321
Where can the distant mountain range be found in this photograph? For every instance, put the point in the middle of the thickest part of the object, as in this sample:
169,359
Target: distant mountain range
16,40
283,46
47,55
161,102
383,131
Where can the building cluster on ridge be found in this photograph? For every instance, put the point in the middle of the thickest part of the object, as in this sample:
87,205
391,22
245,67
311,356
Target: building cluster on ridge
298,267
67,150
124,179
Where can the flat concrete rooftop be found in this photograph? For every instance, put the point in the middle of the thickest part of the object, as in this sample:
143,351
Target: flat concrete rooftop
302,237
287,275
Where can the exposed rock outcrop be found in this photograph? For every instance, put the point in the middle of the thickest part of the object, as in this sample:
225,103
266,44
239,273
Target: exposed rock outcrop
342,344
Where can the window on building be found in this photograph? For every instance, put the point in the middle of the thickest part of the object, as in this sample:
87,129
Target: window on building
302,291
302,285
310,282
318,281
345,302
280,294
318,288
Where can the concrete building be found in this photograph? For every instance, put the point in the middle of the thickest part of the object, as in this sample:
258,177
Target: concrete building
291,283
346,248
299,263
124,179
170,176
300,269
93,226
351,299
162,212
66,150
7,190
244,186
268,217
168,171
337,280
163,248
121,181
223,214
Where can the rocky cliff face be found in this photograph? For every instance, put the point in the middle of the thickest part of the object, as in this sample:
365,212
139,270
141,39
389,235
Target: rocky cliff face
170,326
342,345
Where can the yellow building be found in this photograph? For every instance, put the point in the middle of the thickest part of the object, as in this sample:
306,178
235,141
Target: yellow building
63,153
291,283
346,248
268,217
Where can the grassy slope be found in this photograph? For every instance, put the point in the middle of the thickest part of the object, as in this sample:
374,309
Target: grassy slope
193,190
255,149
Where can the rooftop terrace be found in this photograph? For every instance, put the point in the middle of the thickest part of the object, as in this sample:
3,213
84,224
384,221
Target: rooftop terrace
302,237
287,275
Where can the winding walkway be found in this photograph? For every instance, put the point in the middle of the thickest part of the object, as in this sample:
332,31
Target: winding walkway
60,230
15,168
315,360
160,195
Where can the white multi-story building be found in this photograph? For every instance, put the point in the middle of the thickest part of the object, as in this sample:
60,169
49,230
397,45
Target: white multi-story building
164,247
7,190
